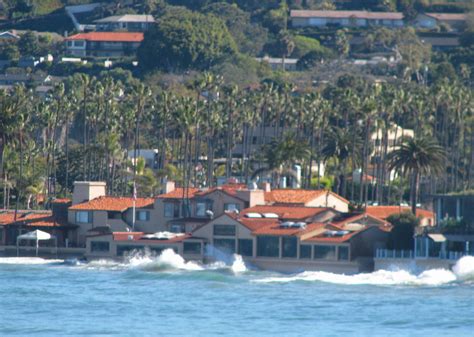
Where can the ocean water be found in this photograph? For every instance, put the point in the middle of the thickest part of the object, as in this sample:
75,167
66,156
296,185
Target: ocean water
166,296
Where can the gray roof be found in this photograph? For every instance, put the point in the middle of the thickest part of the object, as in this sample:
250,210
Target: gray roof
127,18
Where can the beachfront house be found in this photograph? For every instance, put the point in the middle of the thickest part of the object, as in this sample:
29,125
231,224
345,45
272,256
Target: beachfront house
126,22
323,18
103,44
456,21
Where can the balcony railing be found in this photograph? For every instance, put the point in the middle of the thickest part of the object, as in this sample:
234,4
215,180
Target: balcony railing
408,254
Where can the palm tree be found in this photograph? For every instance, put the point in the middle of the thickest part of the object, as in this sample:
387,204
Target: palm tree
281,155
417,157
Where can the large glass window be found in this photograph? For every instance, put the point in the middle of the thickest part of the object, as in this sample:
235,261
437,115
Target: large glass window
192,248
100,246
305,252
246,247
126,249
231,207
201,209
325,252
343,253
268,246
83,217
114,215
289,245
224,230
225,245
143,215
171,210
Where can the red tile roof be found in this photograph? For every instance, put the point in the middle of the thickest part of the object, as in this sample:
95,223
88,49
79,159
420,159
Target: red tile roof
331,239
230,189
347,14
287,212
138,236
383,212
30,219
297,196
178,193
108,36
356,217
276,229
118,204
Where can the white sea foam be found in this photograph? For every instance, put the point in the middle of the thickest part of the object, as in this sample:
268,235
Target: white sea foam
463,270
27,260
167,260
238,266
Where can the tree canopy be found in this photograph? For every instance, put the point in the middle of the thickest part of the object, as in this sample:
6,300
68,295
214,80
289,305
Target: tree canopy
183,39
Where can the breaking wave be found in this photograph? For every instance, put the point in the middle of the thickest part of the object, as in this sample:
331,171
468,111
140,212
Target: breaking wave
168,260
463,271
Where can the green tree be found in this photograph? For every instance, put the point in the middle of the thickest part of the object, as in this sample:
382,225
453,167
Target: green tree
401,235
417,157
183,39
28,44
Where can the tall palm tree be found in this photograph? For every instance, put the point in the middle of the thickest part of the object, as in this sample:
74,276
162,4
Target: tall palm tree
417,157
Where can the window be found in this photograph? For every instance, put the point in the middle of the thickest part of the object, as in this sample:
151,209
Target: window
305,252
325,252
171,210
177,228
231,207
224,230
127,249
69,43
143,215
79,43
246,247
201,209
192,248
343,253
83,217
289,245
100,246
268,246
225,245
114,215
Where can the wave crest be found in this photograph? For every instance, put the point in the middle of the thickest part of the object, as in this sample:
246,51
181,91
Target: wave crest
462,271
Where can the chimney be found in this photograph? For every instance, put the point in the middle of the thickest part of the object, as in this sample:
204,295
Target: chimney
169,186
87,190
267,187
253,197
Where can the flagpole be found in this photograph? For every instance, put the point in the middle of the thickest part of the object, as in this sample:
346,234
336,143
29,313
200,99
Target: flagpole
134,200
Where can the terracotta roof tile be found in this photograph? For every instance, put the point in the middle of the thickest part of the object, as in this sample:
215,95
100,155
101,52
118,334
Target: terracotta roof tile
30,219
178,193
108,36
383,212
296,196
118,204
276,229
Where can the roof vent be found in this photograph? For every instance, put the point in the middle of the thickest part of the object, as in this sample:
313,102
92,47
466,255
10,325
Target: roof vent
253,215
270,215
336,233
287,224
